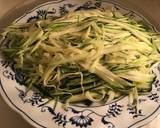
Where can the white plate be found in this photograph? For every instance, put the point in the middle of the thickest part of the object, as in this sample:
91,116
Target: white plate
116,114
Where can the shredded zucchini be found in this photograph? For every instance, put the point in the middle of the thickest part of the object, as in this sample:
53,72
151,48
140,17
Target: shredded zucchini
86,55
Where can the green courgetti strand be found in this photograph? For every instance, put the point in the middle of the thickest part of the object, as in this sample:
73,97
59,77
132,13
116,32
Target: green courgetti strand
86,55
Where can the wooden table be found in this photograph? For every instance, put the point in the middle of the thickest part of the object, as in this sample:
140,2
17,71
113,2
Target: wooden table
10,119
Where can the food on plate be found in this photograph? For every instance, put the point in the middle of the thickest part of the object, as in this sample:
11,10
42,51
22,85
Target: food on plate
87,55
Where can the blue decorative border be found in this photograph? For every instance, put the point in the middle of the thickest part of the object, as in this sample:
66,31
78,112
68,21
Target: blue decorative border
75,111
18,108
145,118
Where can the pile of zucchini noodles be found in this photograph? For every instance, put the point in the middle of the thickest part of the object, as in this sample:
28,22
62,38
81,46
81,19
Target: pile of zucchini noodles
89,55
